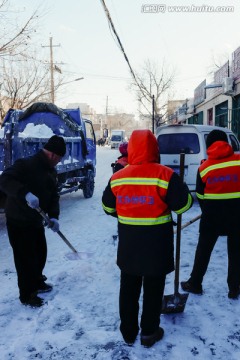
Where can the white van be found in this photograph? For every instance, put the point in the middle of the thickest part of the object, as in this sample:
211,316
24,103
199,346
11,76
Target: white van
191,140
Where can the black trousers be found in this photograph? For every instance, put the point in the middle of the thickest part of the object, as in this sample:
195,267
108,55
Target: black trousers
30,254
130,290
206,243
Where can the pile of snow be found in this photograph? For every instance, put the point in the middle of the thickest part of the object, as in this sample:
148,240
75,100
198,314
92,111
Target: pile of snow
37,131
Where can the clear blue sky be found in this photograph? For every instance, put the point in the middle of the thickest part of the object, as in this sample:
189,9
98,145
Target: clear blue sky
186,41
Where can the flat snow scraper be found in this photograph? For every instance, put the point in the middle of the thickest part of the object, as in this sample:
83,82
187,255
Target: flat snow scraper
176,303
75,255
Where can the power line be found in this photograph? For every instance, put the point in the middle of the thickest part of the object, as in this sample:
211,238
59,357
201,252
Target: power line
122,49
119,41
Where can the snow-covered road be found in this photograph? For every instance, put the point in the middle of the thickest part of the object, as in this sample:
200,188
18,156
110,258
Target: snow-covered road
80,320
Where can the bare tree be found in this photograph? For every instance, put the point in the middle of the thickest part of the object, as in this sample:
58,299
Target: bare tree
25,75
26,80
153,80
217,62
15,35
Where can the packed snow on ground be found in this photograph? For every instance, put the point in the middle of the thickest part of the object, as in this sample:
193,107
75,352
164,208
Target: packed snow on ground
81,321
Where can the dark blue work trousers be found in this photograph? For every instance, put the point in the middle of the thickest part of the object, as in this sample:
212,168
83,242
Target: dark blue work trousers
130,290
30,254
206,243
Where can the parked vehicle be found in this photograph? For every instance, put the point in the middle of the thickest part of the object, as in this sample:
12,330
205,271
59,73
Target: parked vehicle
25,132
191,140
117,136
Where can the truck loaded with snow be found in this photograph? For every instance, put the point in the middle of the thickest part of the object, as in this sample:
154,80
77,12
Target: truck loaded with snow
23,133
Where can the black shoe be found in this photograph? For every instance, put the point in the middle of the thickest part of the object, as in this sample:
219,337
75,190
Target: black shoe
34,301
43,278
44,288
189,287
234,293
129,341
129,338
150,340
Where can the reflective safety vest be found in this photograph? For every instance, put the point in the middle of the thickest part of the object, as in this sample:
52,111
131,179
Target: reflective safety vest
221,178
141,193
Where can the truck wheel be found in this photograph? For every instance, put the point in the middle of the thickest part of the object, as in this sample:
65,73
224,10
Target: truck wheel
88,186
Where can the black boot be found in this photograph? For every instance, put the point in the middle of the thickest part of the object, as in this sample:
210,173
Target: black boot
33,301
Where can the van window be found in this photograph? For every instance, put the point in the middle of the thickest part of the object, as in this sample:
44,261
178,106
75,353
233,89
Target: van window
116,138
179,143
234,143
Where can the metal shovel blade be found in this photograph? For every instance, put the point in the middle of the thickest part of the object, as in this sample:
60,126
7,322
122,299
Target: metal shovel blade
82,255
175,303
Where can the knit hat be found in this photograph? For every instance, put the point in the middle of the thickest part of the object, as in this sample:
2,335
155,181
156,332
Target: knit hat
123,148
56,144
216,135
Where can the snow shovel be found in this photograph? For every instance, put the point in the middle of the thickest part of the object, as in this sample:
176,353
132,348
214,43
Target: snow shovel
75,254
176,303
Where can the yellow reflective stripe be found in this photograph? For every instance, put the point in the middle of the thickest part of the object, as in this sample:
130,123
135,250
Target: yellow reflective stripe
108,209
234,195
144,221
140,181
200,196
186,207
220,166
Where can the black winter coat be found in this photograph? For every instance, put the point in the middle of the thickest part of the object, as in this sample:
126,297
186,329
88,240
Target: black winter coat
148,250
145,249
33,174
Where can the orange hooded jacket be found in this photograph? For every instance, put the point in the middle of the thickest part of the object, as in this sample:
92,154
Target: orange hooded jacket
141,189
220,173
142,196
218,190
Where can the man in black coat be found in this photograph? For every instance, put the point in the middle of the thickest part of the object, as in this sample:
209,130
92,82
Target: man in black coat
31,183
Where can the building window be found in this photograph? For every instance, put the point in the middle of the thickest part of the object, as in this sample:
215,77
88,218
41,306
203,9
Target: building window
210,116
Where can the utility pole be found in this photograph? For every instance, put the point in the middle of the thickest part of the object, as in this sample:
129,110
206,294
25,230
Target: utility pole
51,68
107,115
153,113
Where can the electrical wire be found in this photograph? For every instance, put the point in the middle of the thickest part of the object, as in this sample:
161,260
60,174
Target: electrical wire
122,49
119,42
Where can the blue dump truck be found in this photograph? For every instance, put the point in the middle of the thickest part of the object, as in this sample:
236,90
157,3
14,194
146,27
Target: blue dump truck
23,133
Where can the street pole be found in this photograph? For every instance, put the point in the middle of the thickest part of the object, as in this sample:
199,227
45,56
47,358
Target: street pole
153,113
51,69
107,115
